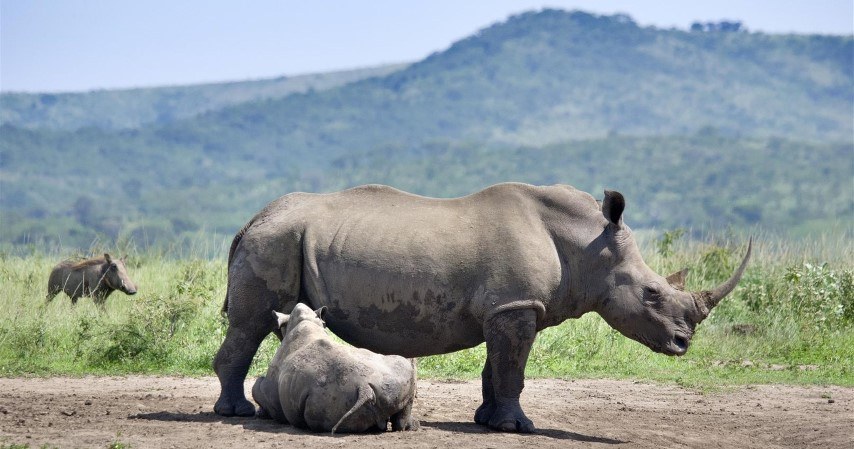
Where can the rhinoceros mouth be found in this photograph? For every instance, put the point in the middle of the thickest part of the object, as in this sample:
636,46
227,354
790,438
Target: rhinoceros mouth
677,346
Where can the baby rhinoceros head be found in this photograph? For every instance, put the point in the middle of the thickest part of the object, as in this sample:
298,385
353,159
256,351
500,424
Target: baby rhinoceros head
301,314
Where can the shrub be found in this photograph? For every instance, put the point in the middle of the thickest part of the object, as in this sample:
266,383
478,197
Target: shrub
823,295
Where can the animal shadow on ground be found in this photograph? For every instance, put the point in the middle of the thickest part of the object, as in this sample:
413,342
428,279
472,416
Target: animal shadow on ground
200,417
466,427
248,423
269,425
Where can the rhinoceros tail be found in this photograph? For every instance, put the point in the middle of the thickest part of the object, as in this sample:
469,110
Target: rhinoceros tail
231,250
366,396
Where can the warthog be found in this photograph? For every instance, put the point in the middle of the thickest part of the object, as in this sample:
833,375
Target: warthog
96,277
317,383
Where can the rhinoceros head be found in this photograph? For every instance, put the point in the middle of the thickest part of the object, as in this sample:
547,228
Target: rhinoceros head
639,303
116,275
300,314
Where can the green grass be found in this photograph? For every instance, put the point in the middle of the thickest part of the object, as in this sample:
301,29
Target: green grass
791,320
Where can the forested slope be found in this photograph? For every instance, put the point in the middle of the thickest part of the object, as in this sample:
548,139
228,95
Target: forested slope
696,128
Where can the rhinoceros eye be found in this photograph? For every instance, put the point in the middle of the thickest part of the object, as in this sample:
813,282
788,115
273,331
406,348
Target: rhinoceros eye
651,292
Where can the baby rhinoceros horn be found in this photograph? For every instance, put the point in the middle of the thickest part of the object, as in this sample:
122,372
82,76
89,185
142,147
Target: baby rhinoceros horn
706,300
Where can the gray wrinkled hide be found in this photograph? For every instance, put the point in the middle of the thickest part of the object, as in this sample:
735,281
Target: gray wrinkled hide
323,385
97,277
414,276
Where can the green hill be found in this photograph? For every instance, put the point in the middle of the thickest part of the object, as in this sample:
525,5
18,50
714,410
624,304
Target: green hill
696,128
700,181
132,108
552,76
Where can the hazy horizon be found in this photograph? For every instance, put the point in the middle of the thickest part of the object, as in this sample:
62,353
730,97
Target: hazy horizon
83,45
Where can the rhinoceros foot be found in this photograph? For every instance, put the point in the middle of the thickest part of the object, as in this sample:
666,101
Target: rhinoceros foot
484,413
224,407
511,419
506,418
262,414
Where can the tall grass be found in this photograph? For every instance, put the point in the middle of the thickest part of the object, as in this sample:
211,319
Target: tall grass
790,320
172,325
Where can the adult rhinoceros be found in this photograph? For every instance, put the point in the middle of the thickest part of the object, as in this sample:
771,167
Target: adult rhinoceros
415,276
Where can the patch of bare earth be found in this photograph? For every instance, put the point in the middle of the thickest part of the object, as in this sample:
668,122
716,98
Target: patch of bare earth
175,412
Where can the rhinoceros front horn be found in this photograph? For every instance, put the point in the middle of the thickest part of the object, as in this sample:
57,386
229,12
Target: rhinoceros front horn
707,299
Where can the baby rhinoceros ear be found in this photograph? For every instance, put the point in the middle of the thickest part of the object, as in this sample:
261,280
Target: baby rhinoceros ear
281,319
321,312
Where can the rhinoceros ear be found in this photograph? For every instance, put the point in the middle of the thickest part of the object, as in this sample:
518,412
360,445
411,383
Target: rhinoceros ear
677,279
613,206
281,319
321,312
108,258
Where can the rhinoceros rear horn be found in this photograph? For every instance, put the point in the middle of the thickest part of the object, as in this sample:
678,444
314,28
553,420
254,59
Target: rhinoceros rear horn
708,299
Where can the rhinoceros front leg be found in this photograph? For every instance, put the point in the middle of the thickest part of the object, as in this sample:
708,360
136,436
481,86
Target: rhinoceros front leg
484,412
509,337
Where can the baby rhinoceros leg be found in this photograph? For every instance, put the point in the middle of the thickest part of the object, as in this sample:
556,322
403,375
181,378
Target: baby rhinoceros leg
403,419
265,392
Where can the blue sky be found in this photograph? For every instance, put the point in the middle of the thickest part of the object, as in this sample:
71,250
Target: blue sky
77,45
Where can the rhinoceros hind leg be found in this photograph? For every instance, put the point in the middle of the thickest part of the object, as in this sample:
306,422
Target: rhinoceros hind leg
231,365
509,337
250,319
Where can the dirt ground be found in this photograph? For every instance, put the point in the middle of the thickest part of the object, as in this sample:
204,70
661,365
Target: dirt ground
175,412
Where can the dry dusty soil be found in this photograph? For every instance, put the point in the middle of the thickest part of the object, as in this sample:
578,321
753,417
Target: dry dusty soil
175,412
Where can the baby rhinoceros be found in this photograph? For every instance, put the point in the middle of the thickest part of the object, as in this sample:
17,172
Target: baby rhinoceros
326,386
97,277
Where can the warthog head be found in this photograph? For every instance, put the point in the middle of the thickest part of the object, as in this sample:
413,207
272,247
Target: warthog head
116,276
639,303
